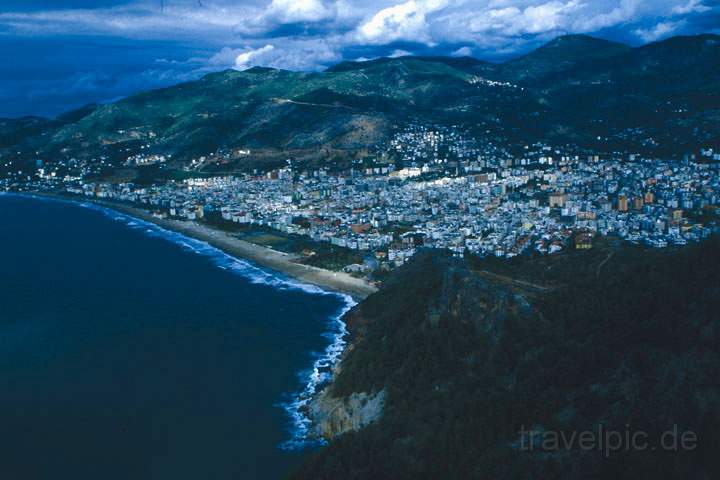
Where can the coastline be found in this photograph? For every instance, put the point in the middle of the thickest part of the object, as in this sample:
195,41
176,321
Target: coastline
314,345
299,407
280,262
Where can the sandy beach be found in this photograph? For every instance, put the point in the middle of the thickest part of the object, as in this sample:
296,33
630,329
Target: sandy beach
262,256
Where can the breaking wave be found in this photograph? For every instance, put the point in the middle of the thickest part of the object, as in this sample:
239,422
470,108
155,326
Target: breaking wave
320,374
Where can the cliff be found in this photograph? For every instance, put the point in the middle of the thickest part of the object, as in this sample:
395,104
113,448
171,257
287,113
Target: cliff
466,354
333,416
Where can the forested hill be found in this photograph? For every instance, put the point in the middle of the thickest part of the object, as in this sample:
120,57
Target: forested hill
472,351
662,98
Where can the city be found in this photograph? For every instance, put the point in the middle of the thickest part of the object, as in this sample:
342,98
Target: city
342,239
433,187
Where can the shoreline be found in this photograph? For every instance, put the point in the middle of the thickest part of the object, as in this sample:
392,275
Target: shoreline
320,374
298,408
338,282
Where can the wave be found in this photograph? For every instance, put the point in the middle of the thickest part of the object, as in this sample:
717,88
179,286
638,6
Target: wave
317,378
324,365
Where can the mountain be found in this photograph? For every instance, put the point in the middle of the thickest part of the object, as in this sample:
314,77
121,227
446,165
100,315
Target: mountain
278,114
665,90
465,354
469,64
661,99
562,54
78,114
14,131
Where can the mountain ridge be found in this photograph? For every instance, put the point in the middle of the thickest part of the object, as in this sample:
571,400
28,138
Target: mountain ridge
575,89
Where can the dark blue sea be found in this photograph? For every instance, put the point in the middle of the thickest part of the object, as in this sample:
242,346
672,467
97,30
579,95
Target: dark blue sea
131,352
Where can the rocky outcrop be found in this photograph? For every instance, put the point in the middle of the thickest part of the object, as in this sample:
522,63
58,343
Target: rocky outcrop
332,416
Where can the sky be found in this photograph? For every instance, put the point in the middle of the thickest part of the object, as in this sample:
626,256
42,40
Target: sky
57,55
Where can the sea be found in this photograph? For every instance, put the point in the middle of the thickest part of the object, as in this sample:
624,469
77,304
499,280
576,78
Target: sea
132,352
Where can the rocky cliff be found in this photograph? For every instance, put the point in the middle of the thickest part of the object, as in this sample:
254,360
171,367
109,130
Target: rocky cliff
452,359
333,416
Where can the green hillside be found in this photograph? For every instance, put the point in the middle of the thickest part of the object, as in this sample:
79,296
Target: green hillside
575,89
570,52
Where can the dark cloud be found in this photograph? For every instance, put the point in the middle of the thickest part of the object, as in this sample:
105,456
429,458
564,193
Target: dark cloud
47,76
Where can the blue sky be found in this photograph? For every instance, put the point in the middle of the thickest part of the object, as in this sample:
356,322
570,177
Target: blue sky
56,55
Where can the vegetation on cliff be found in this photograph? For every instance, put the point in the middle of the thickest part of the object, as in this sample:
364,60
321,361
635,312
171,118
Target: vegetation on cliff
471,352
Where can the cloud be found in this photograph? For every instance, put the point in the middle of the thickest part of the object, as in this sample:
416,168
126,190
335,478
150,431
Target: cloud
405,21
294,11
658,31
138,20
503,24
367,28
254,57
509,24
462,52
200,37
692,6
400,53
548,17
292,55
262,20
625,11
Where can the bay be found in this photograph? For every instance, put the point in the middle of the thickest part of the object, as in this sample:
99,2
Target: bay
131,352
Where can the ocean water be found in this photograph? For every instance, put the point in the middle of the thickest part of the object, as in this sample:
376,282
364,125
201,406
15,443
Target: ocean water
128,351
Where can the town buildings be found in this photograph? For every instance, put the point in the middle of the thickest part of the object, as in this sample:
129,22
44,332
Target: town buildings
437,189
